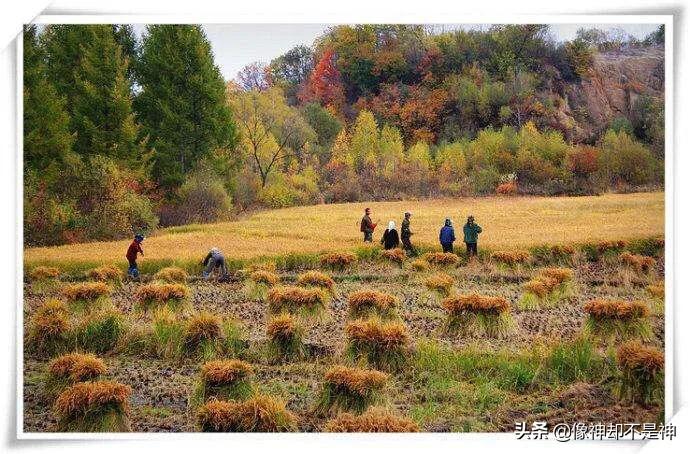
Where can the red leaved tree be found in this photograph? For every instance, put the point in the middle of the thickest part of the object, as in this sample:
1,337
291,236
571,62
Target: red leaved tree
325,84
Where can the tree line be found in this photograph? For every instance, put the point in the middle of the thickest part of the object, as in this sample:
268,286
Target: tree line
125,133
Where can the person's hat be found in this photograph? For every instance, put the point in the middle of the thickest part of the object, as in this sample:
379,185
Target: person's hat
139,237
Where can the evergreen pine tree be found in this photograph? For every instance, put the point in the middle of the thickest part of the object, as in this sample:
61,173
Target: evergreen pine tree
90,70
102,108
47,138
182,104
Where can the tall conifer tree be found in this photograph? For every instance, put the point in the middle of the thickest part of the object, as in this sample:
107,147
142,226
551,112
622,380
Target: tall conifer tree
182,104
47,138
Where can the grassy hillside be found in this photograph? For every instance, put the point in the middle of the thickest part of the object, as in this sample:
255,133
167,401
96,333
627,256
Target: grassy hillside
508,223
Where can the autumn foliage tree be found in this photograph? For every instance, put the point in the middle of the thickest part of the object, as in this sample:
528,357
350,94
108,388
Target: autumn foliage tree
272,133
325,84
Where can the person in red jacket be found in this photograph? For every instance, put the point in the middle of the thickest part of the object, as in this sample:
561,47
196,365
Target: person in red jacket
132,251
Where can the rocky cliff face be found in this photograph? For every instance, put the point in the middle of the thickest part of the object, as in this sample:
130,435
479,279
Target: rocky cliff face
615,82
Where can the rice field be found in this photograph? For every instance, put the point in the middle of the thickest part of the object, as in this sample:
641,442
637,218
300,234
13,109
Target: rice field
354,343
509,223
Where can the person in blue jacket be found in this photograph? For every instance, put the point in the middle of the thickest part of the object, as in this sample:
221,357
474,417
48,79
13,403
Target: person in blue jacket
447,236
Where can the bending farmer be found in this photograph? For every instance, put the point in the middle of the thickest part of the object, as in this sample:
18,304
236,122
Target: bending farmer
214,260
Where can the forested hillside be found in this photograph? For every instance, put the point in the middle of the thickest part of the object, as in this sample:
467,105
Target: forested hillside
125,133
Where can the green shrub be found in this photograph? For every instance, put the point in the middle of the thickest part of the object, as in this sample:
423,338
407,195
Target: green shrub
202,198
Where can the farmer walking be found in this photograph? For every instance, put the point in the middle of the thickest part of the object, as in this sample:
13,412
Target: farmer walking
471,231
214,260
447,236
367,227
406,233
132,251
390,239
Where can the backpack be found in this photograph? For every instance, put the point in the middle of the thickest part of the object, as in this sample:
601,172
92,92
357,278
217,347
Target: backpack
363,225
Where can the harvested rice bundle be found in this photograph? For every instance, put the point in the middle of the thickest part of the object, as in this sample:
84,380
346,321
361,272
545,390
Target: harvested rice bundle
440,283
49,328
259,282
297,300
264,277
373,420
351,389
549,287
172,275
641,373
316,279
73,368
227,379
100,332
441,258
384,345
166,339
511,258
420,265
561,250
257,414
285,337
478,314
105,273
86,295
366,302
203,335
396,255
608,246
338,260
262,266
560,275
43,273
657,292
154,295
639,263
100,406
618,319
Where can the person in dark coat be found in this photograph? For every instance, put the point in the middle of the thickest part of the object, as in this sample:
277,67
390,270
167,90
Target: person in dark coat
367,226
447,236
390,239
214,260
132,251
471,231
406,233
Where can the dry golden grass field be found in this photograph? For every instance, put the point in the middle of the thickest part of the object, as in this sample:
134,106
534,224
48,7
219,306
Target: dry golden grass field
508,223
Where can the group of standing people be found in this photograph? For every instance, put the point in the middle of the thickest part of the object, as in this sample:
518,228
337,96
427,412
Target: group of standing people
215,261
391,239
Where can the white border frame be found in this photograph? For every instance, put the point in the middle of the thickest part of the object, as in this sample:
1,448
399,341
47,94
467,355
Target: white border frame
332,19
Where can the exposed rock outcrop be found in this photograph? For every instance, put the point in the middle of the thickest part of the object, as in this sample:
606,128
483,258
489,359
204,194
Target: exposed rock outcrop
615,82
